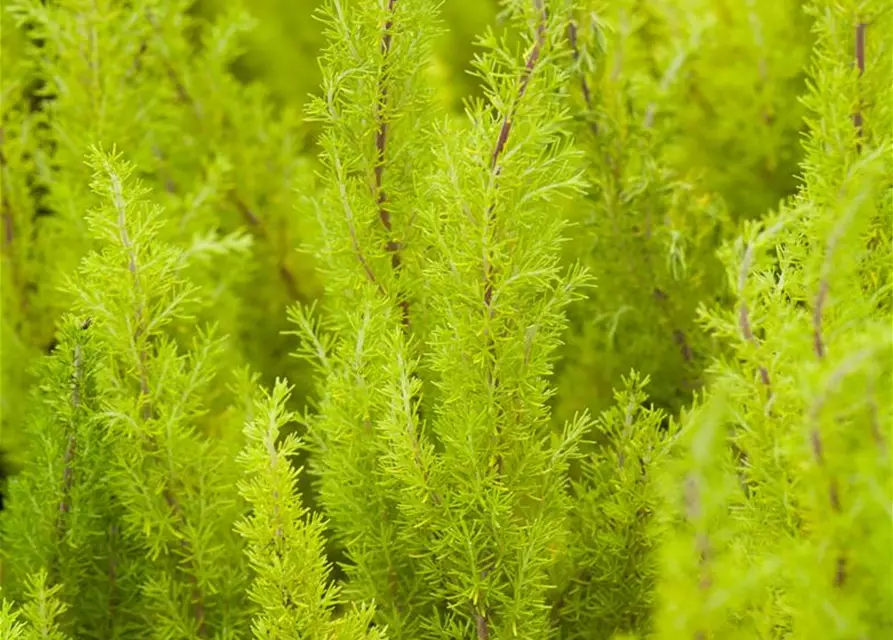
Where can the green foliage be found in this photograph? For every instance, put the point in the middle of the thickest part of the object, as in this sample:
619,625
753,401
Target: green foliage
582,346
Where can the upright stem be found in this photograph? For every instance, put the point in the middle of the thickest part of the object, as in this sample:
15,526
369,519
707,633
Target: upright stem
381,141
481,617
584,83
860,64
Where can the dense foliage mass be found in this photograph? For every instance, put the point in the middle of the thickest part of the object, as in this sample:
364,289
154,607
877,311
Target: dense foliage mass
591,342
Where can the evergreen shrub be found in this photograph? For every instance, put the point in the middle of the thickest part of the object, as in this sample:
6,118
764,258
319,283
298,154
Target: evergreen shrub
603,351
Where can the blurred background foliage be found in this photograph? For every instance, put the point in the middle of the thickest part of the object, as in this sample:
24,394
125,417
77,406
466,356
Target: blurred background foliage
283,48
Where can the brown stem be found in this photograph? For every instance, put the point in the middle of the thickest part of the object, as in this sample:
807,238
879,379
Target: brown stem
584,83
482,626
817,341
256,224
498,149
70,451
381,141
833,498
530,63
367,268
744,323
679,336
860,64
876,432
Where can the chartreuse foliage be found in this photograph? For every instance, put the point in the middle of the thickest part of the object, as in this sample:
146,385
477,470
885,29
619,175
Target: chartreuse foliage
780,519
154,80
619,224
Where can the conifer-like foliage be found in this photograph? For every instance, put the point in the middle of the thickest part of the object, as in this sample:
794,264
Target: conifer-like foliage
603,350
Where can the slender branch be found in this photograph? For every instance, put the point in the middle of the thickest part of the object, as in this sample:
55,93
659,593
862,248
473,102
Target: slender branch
254,222
411,430
351,228
498,150
381,141
506,129
824,283
817,445
817,448
112,571
481,618
197,595
529,65
876,432
817,341
71,449
679,336
584,83
860,65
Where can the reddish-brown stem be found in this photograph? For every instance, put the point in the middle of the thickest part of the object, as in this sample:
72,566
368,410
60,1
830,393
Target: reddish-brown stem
8,227
817,341
367,268
679,336
255,223
860,65
744,323
506,128
875,421
381,142
112,570
498,149
529,65
584,83
815,440
70,452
